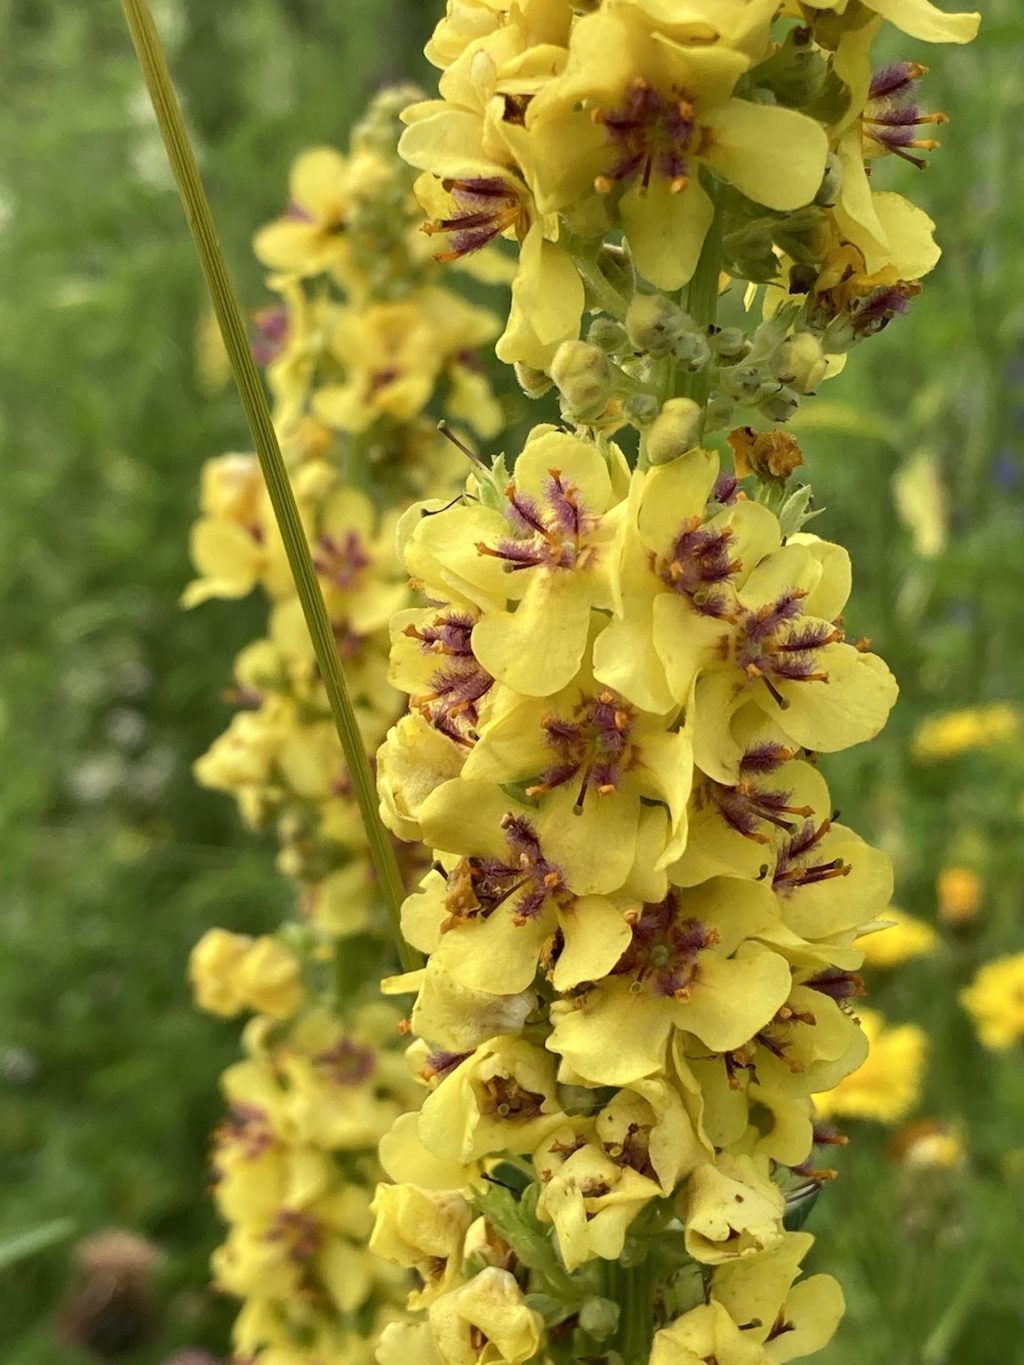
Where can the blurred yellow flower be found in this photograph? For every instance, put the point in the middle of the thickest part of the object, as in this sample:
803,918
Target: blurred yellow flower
213,971
959,891
956,732
995,1000
231,972
929,1145
903,938
888,1084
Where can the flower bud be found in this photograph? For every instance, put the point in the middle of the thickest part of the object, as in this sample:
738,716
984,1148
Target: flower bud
742,382
654,323
730,343
641,409
616,266
832,182
674,431
780,406
692,351
583,376
534,383
607,335
800,362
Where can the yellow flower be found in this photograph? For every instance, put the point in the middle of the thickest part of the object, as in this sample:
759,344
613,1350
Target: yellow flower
493,914
432,660
756,1098
597,1175
630,122
705,1333
476,202
486,1322
691,965
393,355
421,1230
501,1098
732,1210
270,978
213,971
719,609
469,21
995,1000
589,1198
929,1145
900,938
552,552
956,732
887,1085
592,763
414,760
455,1018
785,654
311,237
235,544
960,891
790,1320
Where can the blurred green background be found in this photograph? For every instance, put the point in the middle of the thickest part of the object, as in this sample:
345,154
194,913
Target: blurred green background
113,862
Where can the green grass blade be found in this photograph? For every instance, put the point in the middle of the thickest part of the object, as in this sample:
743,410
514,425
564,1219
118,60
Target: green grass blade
257,412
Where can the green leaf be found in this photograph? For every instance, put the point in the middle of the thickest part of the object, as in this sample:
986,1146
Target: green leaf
20,1246
516,1221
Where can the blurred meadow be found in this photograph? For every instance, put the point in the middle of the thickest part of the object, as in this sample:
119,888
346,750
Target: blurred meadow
114,861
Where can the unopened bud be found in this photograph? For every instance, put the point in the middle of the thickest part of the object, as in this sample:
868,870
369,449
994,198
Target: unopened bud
599,1318
692,351
831,184
655,323
534,383
742,382
583,376
641,409
616,266
780,406
608,335
729,342
674,431
800,362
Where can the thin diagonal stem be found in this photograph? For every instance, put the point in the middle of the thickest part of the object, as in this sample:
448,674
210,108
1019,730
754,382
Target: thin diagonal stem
257,412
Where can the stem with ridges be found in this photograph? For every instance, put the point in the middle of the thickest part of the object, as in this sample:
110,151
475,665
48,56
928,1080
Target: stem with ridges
702,297
261,425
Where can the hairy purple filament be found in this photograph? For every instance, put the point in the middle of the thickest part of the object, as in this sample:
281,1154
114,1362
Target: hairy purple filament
524,879
593,746
769,650
460,684
700,565
553,535
795,865
890,122
650,134
665,949
486,207
341,559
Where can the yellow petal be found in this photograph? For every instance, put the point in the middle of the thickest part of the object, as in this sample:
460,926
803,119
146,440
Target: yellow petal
775,156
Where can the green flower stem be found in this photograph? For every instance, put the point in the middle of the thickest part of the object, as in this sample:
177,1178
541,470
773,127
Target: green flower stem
702,298
632,1288
257,412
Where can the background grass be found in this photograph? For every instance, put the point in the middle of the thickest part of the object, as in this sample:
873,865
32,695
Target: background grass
113,862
